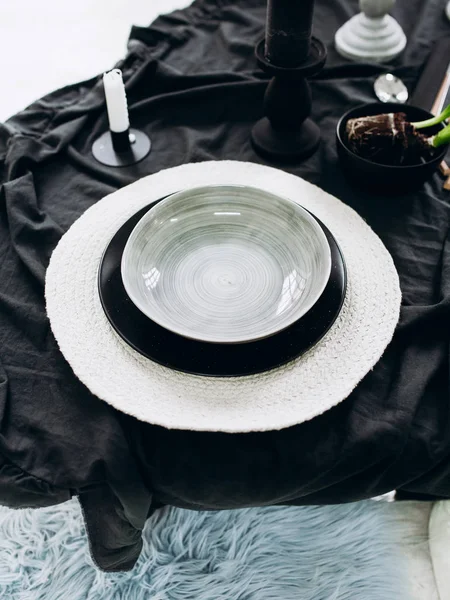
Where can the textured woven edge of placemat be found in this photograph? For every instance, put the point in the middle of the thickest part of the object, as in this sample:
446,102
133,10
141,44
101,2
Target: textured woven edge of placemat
286,396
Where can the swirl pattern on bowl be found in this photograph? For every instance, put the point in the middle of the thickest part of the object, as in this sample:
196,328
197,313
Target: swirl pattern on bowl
226,264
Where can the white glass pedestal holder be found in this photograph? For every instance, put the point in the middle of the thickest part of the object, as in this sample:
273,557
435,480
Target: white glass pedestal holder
372,35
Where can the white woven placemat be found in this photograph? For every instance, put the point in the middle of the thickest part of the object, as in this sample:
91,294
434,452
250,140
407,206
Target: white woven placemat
288,395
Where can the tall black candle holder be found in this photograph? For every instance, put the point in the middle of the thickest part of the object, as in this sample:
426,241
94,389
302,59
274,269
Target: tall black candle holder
286,133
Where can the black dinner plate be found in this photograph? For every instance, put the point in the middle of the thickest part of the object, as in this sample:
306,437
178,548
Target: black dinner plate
206,358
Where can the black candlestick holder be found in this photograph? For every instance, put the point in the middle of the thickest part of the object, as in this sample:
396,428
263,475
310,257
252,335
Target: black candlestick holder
286,133
121,149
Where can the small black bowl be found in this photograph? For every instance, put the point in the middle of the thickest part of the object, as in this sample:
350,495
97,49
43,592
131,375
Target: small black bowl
385,179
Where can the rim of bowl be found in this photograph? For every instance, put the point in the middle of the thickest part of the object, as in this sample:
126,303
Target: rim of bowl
345,117
150,215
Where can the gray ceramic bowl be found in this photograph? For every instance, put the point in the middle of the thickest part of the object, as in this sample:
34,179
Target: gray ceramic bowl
226,263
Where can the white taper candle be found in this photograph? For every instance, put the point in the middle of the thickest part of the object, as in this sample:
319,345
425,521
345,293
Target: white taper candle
116,101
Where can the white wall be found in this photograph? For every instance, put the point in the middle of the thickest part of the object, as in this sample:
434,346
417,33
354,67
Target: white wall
46,44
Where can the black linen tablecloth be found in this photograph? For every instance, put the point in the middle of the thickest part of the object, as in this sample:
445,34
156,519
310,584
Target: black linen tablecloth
194,86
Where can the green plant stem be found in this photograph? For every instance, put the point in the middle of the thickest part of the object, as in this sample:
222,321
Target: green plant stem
445,114
441,138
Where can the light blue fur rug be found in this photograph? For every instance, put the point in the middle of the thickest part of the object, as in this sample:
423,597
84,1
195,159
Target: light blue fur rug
347,552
